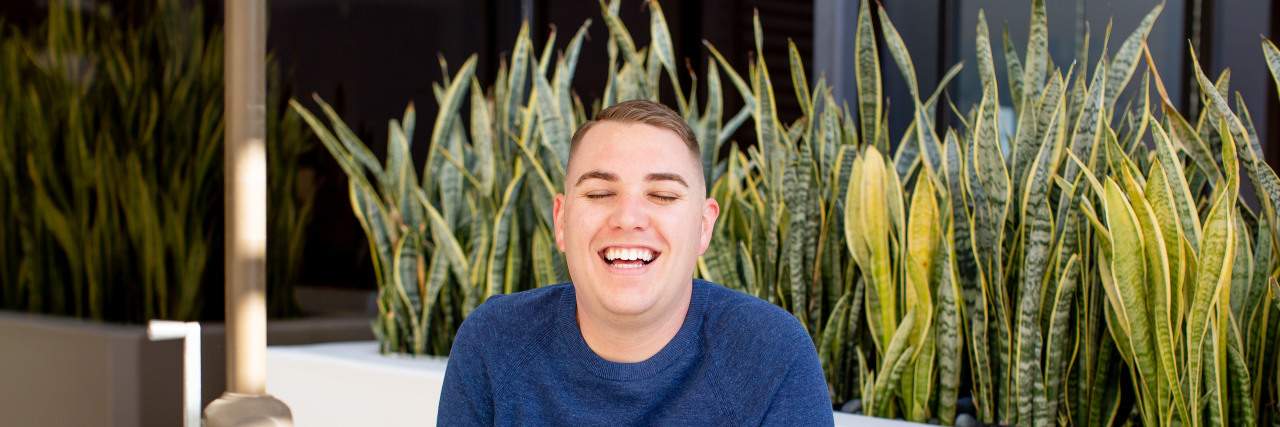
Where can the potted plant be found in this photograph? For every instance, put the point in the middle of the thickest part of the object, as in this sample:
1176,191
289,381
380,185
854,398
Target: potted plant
111,167
1096,265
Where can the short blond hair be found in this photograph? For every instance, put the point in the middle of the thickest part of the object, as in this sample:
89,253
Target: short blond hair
646,112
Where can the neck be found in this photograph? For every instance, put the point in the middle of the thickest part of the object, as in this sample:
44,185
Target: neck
631,339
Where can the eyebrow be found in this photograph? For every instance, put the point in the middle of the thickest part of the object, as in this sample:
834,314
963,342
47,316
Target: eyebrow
611,177
666,176
597,175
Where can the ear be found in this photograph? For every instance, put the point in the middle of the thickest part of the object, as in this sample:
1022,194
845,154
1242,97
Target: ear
710,211
557,215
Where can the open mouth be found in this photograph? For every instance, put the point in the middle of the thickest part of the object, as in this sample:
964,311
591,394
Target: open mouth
628,257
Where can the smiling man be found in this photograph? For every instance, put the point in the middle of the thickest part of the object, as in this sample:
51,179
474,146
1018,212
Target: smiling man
634,339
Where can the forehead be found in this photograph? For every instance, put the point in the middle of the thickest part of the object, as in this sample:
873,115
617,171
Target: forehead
631,144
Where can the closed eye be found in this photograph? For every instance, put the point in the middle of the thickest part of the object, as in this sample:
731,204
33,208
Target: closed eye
597,196
664,198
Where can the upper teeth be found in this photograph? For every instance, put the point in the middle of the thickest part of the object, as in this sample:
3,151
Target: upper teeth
630,254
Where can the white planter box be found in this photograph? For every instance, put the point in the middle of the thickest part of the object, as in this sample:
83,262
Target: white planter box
58,371
346,384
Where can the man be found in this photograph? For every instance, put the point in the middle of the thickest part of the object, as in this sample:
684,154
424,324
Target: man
634,339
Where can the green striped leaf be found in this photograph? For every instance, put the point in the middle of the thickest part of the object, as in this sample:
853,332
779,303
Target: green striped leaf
1090,123
867,71
618,32
1060,338
898,50
446,241
1126,59
1037,53
1014,72
950,339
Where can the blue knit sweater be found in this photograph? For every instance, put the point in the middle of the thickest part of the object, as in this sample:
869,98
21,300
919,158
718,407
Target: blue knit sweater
737,360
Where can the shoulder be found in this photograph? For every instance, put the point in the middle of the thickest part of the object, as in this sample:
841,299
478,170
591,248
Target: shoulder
764,361
739,320
512,321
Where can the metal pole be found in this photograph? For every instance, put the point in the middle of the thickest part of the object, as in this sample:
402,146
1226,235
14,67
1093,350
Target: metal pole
245,401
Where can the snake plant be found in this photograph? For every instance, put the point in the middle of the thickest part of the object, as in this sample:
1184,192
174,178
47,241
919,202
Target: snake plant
1097,265
110,157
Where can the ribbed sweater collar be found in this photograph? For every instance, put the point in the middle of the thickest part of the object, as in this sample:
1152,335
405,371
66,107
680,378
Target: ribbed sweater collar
680,346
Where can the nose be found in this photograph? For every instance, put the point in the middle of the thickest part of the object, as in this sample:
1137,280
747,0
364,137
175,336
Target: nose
630,213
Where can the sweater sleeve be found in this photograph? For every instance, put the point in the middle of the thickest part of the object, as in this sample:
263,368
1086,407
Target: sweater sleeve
466,399
802,399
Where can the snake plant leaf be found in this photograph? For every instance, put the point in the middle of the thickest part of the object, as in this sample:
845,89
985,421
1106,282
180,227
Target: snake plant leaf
895,360
1104,394
1014,71
831,146
1037,53
898,50
516,82
1217,252
566,67
744,88
750,275
867,72
1037,241
1126,59
950,339
875,225
482,140
1180,195
437,274
374,218
919,391
543,187
830,345
503,235
402,178
446,241
548,49
1032,124
345,159
1238,387
800,81
618,32
768,128
990,159
543,262
907,156
977,316
1272,56
795,187
448,181
922,238
552,127
409,286
712,124
1089,125
929,143
613,76
1242,269
716,264
922,245
1159,289
664,49
352,144
1165,299
443,184
451,103
1057,341
986,65
1259,173
1257,311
